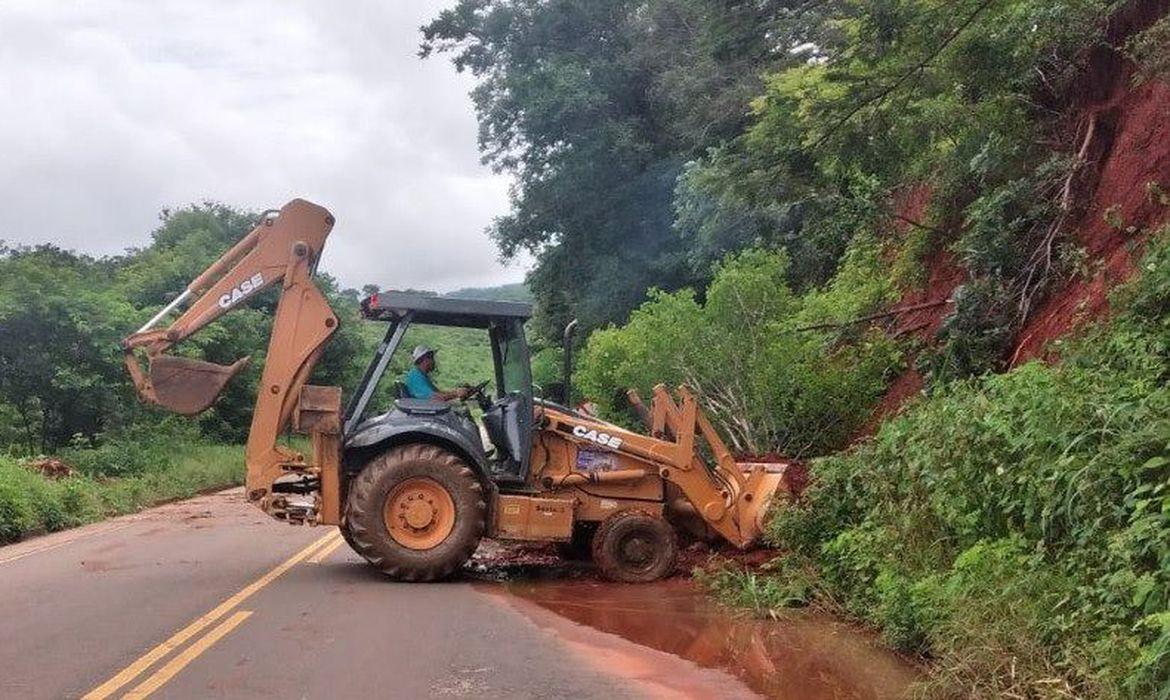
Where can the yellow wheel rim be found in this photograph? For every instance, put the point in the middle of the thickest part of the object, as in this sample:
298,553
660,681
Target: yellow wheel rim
419,513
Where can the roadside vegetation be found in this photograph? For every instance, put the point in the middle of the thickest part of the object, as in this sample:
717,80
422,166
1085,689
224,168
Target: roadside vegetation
1011,527
40,495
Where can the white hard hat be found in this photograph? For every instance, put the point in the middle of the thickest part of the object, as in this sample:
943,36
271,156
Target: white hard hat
421,351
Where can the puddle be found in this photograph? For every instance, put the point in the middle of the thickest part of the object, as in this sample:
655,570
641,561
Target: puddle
802,658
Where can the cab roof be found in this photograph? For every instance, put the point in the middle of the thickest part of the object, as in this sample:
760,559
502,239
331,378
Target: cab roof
434,310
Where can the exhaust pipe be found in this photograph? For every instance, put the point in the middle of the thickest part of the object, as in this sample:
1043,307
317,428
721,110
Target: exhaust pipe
567,364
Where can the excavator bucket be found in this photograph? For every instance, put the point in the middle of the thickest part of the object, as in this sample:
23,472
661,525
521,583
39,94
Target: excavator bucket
188,386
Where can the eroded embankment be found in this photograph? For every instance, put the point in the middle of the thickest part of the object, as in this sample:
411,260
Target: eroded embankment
1117,125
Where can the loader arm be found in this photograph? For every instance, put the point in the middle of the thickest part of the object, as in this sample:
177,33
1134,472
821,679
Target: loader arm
283,249
731,497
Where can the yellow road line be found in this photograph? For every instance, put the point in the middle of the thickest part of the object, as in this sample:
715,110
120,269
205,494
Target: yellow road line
326,551
149,658
167,672
63,542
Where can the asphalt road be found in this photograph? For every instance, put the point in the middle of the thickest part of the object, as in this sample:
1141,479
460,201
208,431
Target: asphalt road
208,598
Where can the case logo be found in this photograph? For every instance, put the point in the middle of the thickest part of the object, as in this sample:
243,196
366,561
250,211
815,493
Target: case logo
603,439
245,288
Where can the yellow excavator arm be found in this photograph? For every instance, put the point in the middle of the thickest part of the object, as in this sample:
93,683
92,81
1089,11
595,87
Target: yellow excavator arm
283,248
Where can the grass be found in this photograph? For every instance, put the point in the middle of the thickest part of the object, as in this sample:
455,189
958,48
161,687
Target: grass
32,503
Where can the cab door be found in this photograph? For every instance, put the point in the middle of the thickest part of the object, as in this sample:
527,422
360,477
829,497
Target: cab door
514,397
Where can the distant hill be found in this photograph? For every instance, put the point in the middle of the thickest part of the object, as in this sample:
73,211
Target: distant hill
504,292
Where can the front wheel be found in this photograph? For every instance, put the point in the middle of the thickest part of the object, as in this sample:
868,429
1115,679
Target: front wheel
416,512
635,547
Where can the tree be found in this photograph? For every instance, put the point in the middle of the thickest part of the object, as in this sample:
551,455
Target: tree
59,326
62,316
595,106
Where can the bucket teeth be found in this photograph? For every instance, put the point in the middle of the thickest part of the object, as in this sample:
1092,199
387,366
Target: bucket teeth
188,386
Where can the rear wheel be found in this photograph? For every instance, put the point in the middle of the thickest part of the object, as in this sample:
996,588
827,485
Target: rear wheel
415,512
634,547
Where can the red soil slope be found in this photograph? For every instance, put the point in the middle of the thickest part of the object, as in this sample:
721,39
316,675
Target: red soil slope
1131,159
1128,166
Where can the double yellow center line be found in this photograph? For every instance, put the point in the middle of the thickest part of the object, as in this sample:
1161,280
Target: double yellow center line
322,547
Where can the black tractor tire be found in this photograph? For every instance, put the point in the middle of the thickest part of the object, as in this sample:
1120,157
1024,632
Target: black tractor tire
345,535
635,547
580,547
369,534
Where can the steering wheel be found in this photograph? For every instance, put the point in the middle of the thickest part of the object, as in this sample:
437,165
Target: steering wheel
476,392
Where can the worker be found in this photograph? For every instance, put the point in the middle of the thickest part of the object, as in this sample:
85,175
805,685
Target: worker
418,380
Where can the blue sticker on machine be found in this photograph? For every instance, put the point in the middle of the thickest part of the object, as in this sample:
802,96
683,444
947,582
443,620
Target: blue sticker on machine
595,460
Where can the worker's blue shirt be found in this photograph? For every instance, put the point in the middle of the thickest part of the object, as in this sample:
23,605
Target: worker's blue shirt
418,384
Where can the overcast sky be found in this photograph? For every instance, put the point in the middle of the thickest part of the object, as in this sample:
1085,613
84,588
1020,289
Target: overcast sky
115,109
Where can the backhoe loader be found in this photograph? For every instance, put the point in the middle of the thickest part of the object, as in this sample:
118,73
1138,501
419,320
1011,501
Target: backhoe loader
414,488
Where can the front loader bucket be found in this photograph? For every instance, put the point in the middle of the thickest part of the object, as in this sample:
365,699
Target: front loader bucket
189,386
765,485
753,498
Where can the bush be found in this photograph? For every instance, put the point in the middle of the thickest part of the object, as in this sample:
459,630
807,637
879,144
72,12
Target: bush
1149,50
30,502
1014,526
16,513
768,385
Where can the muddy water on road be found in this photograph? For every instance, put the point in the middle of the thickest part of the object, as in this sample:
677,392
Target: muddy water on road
802,658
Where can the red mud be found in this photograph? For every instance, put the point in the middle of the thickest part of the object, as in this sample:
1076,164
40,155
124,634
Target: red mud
798,658
908,385
507,561
51,468
1130,153
943,275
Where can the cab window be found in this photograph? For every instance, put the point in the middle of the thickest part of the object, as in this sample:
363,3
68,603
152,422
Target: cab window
509,346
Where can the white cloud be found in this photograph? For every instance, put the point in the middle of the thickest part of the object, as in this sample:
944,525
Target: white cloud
115,109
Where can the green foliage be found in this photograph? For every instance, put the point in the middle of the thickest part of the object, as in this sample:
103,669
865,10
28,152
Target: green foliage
547,368
625,119
132,451
59,326
30,502
902,93
769,386
767,593
595,105
62,316
1151,51
1014,526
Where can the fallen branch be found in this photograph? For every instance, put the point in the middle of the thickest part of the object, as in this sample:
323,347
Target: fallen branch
1041,262
919,224
911,329
875,317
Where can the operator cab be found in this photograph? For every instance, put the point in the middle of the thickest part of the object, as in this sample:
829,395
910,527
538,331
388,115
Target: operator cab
507,417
